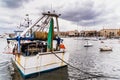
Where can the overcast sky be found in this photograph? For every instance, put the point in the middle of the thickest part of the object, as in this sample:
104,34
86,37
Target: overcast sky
75,14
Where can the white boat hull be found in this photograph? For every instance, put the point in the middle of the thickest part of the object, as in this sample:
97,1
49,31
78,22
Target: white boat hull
105,49
41,62
88,45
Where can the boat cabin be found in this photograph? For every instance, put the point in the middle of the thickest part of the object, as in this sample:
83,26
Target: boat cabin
33,48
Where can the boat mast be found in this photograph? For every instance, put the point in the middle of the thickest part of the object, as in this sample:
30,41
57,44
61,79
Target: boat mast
48,15
28,24
56,16
30,27
58,33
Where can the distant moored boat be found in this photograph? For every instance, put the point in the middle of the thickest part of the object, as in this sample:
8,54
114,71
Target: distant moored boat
106,48
88,44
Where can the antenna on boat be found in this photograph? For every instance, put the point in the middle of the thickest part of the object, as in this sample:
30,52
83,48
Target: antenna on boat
51,7
28,20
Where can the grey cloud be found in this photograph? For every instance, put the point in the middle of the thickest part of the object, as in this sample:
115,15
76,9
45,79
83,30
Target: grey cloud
6,30
5,22
86,13
13,3
12,17
90,23
83,12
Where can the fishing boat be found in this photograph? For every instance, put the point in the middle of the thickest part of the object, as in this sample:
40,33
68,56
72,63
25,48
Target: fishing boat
37,53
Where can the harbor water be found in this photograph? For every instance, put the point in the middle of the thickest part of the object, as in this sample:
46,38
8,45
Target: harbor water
85,63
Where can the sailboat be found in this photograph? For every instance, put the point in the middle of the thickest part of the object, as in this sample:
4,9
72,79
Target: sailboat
36,54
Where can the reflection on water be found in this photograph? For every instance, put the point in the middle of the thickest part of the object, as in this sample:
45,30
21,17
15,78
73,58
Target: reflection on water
90,59
4,62
6,68
99,65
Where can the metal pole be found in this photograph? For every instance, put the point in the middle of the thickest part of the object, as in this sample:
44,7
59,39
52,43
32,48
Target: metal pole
23,33
57,26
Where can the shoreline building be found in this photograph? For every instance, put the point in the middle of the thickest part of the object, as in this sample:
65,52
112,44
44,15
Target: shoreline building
74,33
110,33
89,33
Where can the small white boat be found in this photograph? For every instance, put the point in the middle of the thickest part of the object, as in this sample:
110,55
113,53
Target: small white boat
87,44
106,48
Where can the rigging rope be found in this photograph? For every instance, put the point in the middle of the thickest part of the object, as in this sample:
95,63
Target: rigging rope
95,76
